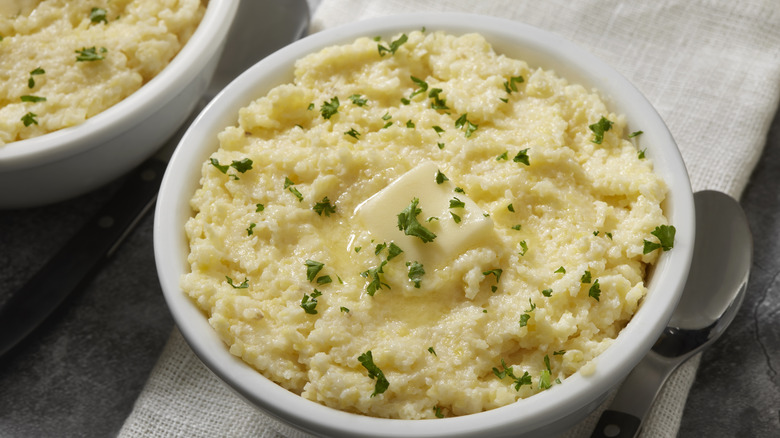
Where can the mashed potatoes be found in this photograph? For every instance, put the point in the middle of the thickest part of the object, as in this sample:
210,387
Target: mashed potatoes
420,227
64,61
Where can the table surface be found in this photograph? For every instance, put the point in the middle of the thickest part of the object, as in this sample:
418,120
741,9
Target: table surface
80,372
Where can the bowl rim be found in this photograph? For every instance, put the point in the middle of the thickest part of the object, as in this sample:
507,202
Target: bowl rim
111,122
531,413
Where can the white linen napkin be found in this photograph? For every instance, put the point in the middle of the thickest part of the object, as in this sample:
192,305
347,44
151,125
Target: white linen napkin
710,67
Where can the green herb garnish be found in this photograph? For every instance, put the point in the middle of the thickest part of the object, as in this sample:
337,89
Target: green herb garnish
96,15
585,277
665,235
34,99
91,54
463,121
522,157
367,360
312,269
560,270
394,45
30,119
309,302
599,128
243,285
250,230
328,109
324,207
407,222
440,177
375,281
357,100
595,290
31,80
525,379
416,273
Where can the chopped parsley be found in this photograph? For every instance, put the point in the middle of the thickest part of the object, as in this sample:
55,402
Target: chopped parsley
393,251
353,133
250,230
344,309
523,247
324,207
511,84
527,315
463,121
260,207
547,292
409,123
438,103
312,269
34,99
243,285
522,157
375,281
324,279
241,166
599,128
91,54
309,302
416,273
407,222
367,360
357,100
546,374
560,270
422,87
517,227
440,177
503,156
96,15
665,235
585,277
457,203
328,109
31,80
459,190
437,412
497,273
432,351
641,154
525,379
595,290
510,207
455,217
30,119
394,45
635,134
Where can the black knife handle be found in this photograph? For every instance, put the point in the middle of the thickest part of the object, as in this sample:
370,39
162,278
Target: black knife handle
614,424
28,306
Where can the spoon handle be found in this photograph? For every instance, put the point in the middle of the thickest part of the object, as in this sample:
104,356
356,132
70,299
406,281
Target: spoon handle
634,398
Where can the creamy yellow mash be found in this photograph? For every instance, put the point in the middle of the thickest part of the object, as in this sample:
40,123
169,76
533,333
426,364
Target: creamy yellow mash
63,61
524,206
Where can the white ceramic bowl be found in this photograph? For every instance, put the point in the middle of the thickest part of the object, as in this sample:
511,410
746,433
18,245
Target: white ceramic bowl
75,160
543,414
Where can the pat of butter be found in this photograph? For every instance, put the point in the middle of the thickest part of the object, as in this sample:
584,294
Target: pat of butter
379,214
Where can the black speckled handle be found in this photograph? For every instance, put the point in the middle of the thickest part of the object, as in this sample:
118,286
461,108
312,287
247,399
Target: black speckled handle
614,424
26,308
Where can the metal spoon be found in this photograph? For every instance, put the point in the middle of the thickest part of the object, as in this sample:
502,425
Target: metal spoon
713,293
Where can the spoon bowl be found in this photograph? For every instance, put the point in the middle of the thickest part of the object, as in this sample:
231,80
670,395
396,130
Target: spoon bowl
714,291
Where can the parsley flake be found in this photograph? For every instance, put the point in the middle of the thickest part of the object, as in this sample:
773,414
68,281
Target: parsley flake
525,379
464,121
34,99
560,270
523,247
503,156
31,80
547,292
416,273
497,273
635,134
407,222
641,154
328,109
353,133
375,281
367,360
457,203
250,230
243,285
393,251
432,351
438,103
394,45
357,100
665,235
440,177
599,128
260,207
595,290
96,15
585,277
91,54
30,119
522,157
409,123
511,84
455,217
344,309
437,412
324,207
309,302
422,87
312,269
